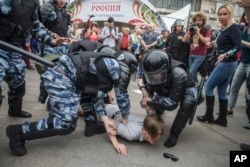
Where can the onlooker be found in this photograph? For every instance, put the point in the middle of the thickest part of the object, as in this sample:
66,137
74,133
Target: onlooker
78,31
143,29
93,34
247,125
175,47
242,24
124,40
162,39
242,70
136,48
228,43
109,34
149,40
198,35
246,5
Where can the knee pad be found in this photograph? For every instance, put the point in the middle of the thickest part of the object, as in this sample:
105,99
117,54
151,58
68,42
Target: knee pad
188,104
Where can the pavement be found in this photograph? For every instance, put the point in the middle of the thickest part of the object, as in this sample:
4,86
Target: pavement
199,145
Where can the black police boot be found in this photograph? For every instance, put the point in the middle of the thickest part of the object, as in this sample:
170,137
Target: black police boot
17,137
93,128
179,123
222,119
15,108
43,93
208,117
14,132
171,141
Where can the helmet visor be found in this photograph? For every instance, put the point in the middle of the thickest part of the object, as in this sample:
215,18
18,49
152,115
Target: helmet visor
158,77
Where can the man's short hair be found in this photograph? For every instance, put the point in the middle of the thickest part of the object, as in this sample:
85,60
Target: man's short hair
153,124
111,19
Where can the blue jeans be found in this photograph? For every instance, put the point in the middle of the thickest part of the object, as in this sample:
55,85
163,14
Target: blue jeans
220,78
239,77
194,63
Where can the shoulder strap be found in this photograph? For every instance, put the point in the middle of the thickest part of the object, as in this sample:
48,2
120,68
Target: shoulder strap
115,31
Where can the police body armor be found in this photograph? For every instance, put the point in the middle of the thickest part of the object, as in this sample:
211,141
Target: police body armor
87,82
13,29
60,24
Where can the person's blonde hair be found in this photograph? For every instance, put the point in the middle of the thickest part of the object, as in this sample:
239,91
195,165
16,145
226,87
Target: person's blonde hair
137,30
230,10
154,125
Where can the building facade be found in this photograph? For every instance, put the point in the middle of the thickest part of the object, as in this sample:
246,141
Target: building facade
209,7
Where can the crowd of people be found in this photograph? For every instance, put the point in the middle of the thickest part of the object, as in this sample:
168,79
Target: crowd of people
92,61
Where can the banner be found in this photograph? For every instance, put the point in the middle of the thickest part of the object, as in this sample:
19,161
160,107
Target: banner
133,12
182,14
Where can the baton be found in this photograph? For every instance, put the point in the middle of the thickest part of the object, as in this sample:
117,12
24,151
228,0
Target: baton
203,79
9,47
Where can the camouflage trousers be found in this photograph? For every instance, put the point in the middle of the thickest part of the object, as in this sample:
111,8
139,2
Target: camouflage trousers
63,99
12,71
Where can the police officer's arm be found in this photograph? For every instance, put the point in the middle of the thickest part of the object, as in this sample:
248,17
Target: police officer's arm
176,92
5,7
121,94
41,33
187,36
101,110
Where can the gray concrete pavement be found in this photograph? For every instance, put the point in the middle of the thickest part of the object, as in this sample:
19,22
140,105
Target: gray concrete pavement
199,145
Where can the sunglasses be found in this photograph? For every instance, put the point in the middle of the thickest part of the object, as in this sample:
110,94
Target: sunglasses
173,158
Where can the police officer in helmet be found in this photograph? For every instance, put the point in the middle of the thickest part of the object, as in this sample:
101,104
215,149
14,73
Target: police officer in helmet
165,86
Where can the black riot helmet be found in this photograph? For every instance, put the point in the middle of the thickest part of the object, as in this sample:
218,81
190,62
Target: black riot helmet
156,67
128,65
106,49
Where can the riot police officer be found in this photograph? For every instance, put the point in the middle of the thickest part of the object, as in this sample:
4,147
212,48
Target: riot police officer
165,85
82,72
54,16
16,21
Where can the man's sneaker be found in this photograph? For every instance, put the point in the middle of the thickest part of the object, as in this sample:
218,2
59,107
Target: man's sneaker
247,125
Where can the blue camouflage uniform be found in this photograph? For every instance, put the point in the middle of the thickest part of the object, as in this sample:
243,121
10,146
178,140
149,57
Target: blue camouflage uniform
57,21
64,97
12,66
